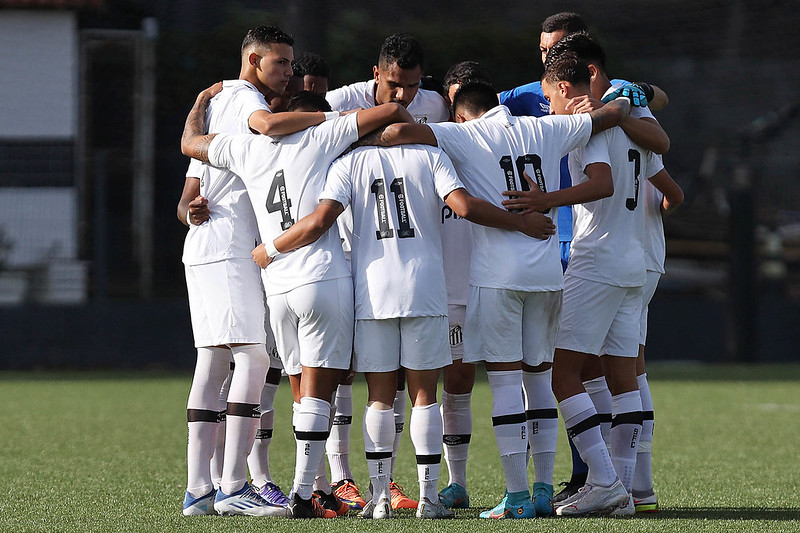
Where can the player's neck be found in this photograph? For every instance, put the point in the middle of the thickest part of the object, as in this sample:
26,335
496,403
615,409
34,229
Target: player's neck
249,75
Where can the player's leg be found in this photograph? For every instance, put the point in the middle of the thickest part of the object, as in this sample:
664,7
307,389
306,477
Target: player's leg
219,447
399,498
594,381
338,445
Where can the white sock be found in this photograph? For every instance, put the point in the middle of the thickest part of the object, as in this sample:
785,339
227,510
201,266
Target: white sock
583,427
457,426
542,417
379,432
399,408
625,430
258,460
244,397
597,389
426,435
310,432
510,426
338,445
219,446
643,476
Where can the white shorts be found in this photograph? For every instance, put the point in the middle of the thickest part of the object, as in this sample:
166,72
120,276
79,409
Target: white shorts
649,290
313,325
226,301
600,319
505,326
416,343
456,316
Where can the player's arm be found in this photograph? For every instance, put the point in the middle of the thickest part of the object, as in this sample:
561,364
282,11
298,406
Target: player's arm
193,141
599,185
406,133
644,131
375,117
305,231
610,115
192,204
484,213
673,194
659,101
266,123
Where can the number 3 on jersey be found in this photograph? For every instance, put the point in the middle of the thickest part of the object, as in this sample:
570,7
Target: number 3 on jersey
398,188
278,200
636,158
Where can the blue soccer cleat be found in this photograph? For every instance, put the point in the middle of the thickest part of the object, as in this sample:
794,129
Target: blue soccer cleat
513,505
454,496
247,502
204,505
543,499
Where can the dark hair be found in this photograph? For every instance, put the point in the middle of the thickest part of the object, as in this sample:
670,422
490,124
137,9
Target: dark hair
567,67
476,97
311,64
402,49
308,101
265,36
564,21
582,46
464,72
429,83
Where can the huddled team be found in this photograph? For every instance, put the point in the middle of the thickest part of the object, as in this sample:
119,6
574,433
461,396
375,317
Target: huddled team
404,233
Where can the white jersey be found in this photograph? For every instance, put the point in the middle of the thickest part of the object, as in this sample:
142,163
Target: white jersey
607,242
457,248
655,247
397,249
426,107
231,232
490,154
285,176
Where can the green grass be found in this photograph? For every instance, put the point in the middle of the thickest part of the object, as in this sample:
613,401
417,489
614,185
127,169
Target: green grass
106,452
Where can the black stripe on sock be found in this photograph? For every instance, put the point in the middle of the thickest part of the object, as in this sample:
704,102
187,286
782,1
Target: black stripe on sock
517,418
541,413
398,427
203,415
342,420
273,376
605,418
583,425
233,365
429,459
647,415
455,440
245,410
262,434
311,435
378,455
627,418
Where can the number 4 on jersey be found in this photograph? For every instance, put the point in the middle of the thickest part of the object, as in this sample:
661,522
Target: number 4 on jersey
278,200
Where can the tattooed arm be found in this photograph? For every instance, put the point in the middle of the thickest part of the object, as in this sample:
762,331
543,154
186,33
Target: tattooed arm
193,142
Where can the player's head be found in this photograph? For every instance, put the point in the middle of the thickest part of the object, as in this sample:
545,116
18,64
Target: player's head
586,49
473,99
280,101
314,70
267,59
565,77
308,101
399,70
461,73
558,26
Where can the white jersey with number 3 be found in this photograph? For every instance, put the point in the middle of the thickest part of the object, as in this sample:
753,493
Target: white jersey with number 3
397,249
285,176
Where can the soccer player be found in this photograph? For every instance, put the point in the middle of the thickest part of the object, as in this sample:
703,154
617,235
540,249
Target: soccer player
513,303
315,72
396,78
309,292
225,303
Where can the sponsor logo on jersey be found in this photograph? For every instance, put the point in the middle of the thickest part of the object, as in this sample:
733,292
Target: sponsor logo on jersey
448,213
545,108
421,119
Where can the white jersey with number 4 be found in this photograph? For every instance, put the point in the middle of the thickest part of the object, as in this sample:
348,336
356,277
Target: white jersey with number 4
285,176
397,249
490,154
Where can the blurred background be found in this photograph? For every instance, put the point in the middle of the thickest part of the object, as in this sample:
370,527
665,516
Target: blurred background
94,95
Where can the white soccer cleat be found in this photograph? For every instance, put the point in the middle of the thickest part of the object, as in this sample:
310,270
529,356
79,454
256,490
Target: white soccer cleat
427,509
246,502
595,500
378,511
204,505
629,509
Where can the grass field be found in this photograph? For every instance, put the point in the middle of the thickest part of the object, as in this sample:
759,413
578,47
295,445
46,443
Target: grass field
106,452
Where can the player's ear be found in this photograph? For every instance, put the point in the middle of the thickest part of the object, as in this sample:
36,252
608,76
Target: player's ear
253,59
593,71
376,73
563,87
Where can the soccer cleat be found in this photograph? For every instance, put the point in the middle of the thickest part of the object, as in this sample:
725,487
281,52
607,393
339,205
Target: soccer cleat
595,500
454,496
399,499
310,508
347,491
645,502
427,509
513,505
378,511
204,505
543,499
273,494
570,489
628,509
246,502
331,502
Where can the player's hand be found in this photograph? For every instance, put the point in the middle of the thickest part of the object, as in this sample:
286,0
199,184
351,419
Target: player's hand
531,200
212,91
632,92
537,225
260,256
583,104
199,211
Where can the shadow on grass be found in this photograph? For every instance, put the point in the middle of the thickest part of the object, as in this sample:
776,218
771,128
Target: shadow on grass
776,514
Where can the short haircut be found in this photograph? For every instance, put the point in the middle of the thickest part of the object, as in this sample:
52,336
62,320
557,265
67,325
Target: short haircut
265,36
476,97
308,101
564,21
312,65
465,71
402,49
567,67
582,46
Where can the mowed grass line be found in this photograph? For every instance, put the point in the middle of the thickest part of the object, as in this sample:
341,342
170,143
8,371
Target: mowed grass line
106,452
